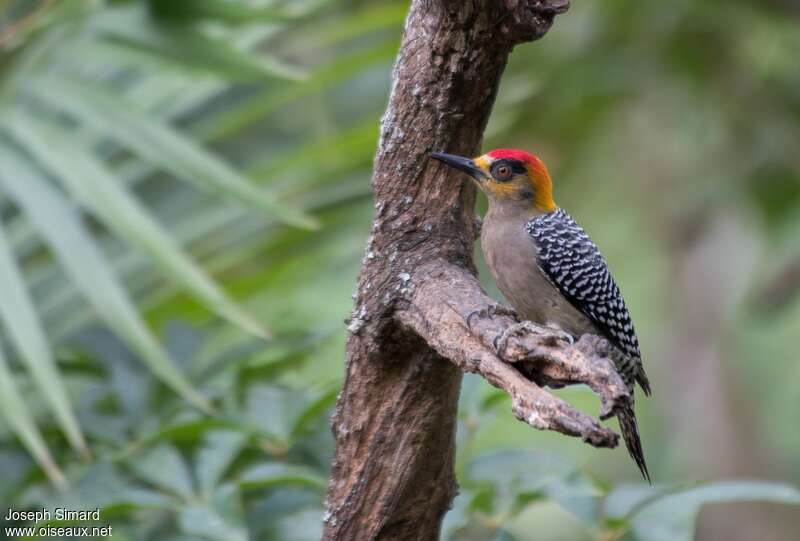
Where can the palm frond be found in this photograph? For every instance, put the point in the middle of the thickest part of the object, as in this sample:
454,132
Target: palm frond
69,239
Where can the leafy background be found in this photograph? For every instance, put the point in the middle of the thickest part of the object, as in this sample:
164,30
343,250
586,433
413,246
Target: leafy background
184,194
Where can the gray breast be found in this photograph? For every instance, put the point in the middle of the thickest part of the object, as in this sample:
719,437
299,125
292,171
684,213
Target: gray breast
512,257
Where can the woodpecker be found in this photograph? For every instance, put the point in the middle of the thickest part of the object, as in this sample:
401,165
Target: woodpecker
549,269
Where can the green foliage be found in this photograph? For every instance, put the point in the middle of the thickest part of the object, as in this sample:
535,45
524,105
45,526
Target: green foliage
184,472
659,515
48,99
171,321
498,487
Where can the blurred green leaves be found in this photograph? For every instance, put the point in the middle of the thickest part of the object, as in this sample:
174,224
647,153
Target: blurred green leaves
71,121
497,487
97,149
98,190
17,416
217,10
19,317
159,144
71,242
173,40
206,479
671,515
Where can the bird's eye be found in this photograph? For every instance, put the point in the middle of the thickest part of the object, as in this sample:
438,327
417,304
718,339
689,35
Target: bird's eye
502,172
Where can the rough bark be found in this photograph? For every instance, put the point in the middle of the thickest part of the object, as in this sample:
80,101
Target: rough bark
420,317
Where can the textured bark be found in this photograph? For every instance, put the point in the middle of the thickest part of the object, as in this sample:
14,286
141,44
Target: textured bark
420,316
451,313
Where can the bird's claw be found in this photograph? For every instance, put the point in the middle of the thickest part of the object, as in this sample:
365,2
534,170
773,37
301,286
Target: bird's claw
501,340
489,311
561,334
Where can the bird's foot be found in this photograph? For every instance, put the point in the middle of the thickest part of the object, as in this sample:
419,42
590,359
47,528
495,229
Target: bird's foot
501,340
560,333
552,331
489,311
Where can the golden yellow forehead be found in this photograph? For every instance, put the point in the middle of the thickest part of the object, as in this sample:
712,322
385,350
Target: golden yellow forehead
484,162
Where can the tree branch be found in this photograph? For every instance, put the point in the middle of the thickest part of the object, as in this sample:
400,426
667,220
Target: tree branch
455,317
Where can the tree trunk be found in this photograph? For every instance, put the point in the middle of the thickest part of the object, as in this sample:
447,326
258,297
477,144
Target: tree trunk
412,332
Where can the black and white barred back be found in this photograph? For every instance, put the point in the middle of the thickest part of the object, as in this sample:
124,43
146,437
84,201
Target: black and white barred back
575,266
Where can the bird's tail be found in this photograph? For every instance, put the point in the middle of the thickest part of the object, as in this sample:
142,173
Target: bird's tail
630,433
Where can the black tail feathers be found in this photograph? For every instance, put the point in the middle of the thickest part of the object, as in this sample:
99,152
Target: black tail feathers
641,379
630,433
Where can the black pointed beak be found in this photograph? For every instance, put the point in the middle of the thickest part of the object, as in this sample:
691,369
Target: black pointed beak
465,165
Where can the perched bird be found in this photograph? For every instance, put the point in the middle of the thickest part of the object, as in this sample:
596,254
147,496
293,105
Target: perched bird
549,269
